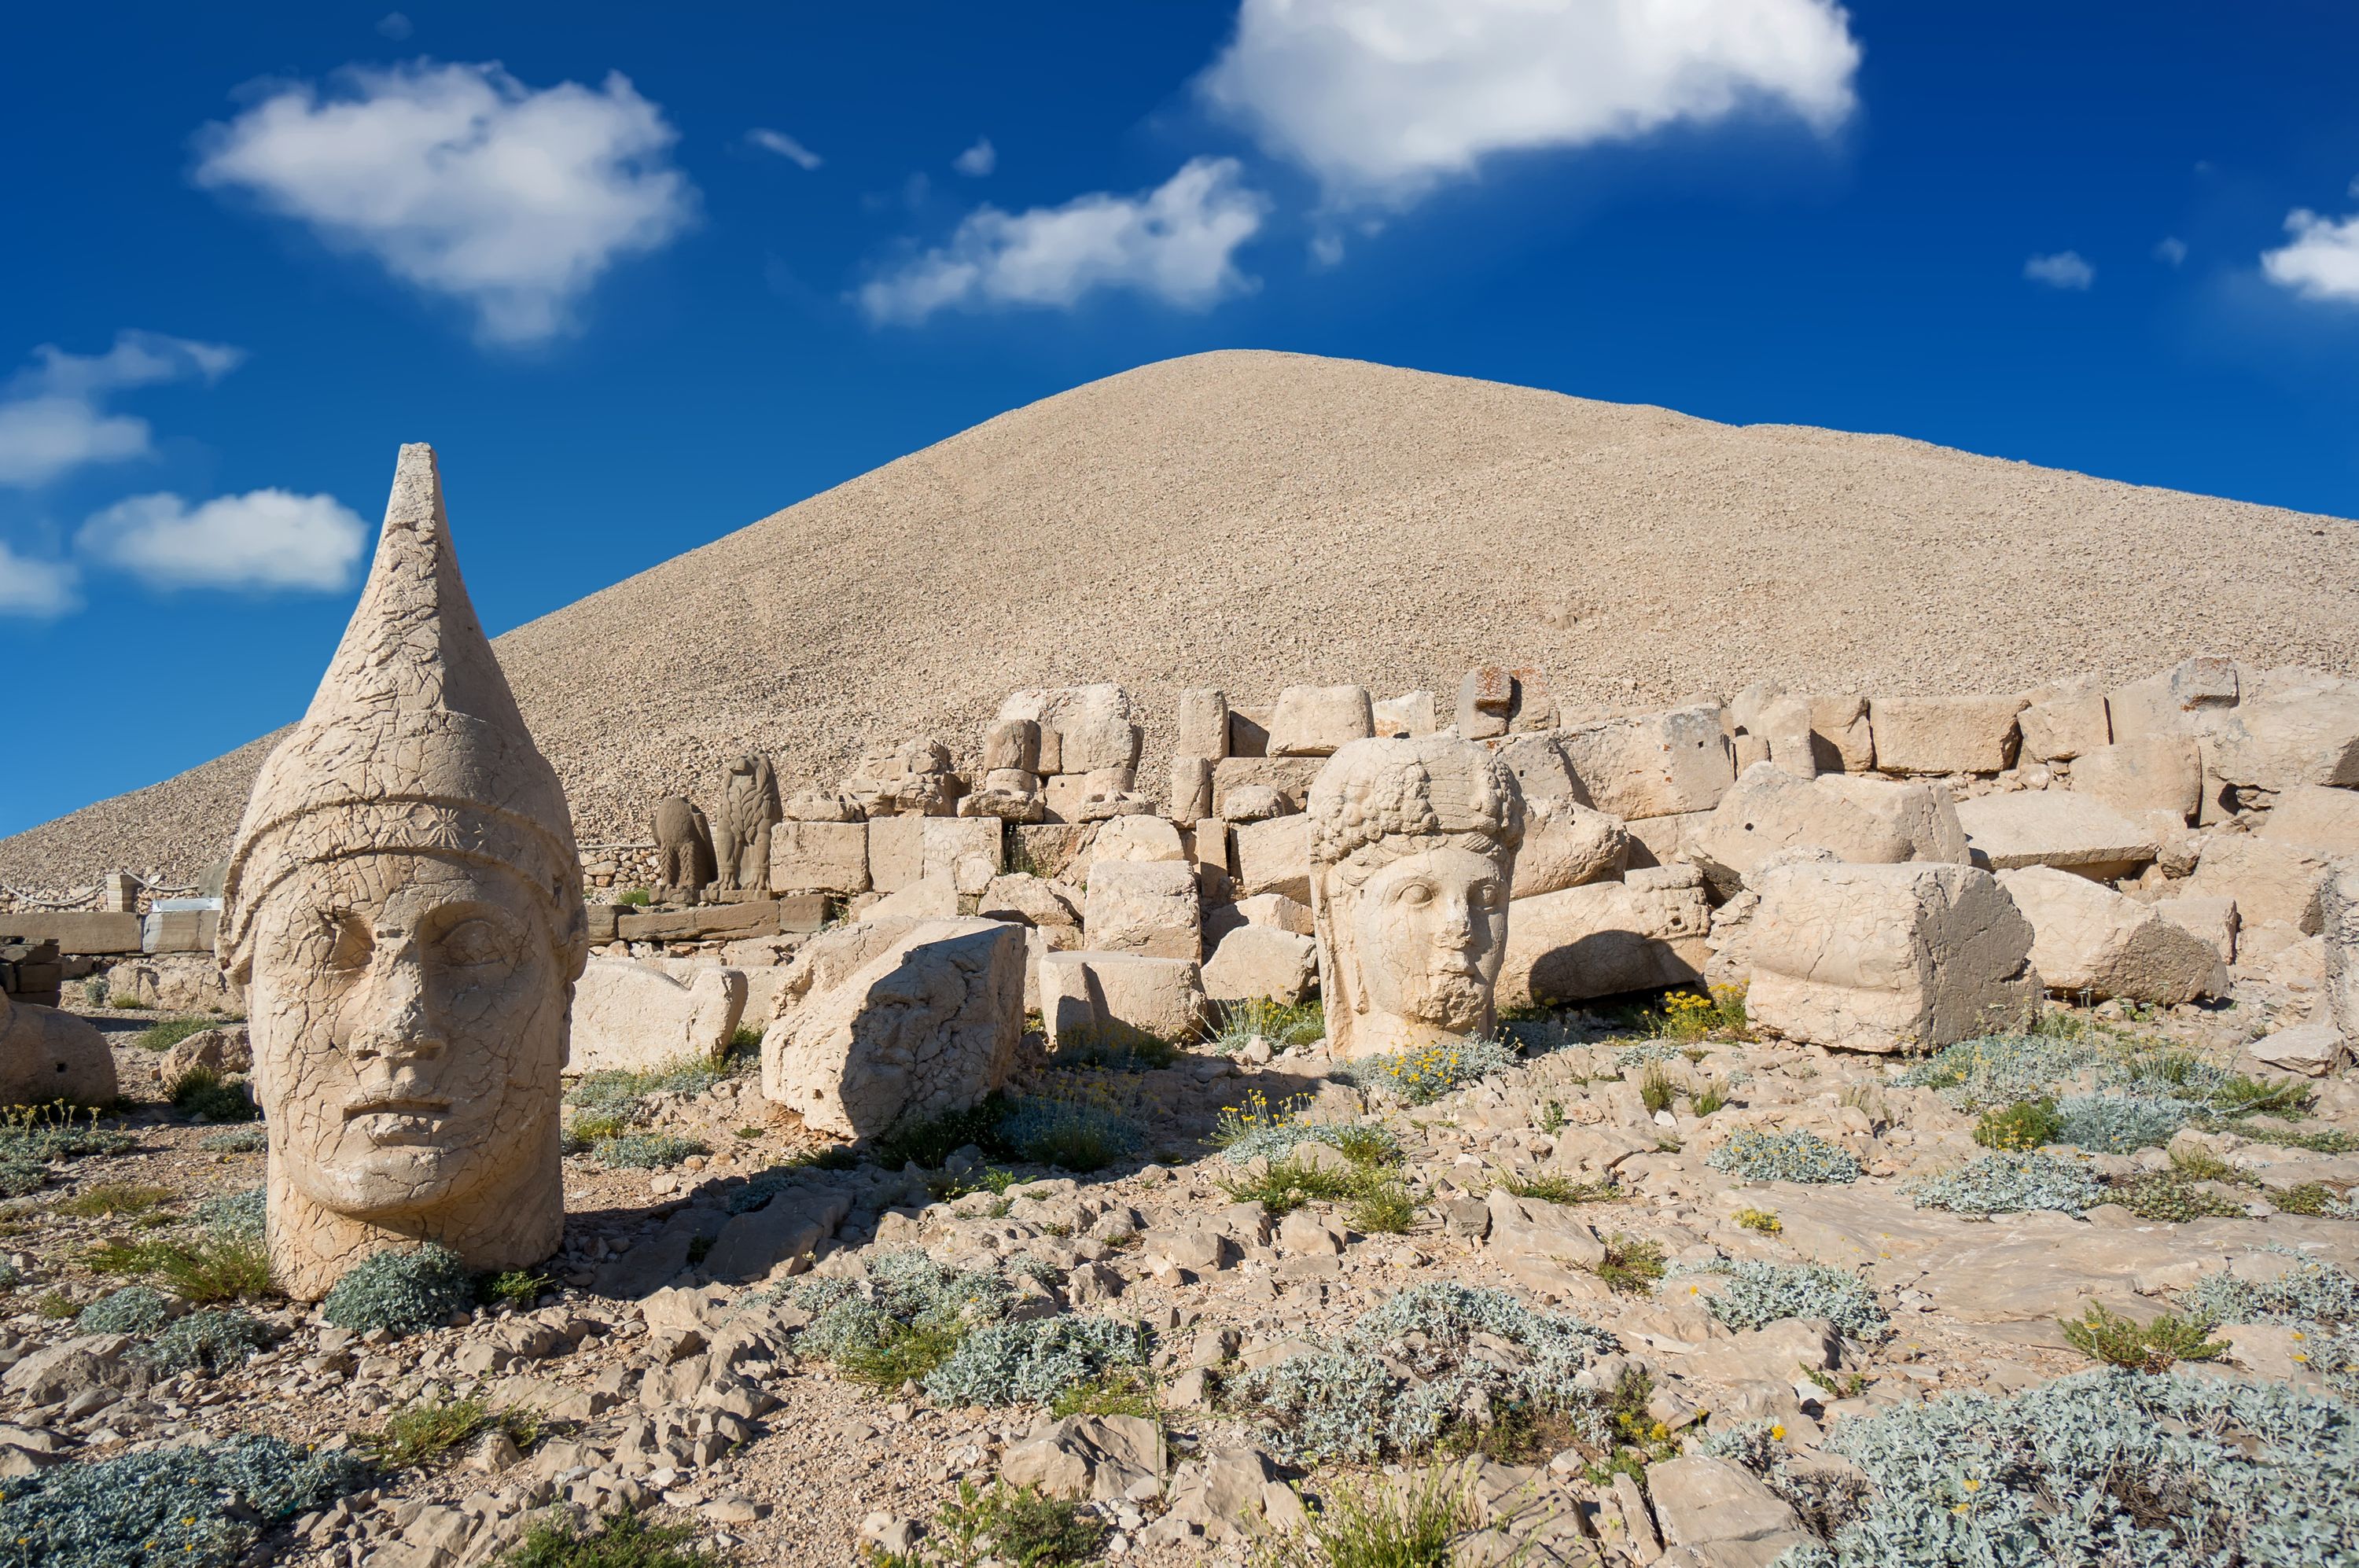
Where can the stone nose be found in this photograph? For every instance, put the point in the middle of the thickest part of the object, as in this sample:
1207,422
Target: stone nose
396,1025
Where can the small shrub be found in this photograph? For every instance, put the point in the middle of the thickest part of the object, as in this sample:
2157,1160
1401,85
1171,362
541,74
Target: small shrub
1795,1156
211,1268
2120,1341
1549,1188
1383,1208
647,1150
401,1292
2000,1070
1631,1265
2312,1198
38,1135
202,1093
928,1142
55,1306
1711,1097
1283,1186
2203,1165
428,1432
2309,1291
1256,1129
162,1037
1282,1025
517,1287
2167,1195
109,1199
234,1214
134,1309
211,1341
1760,1220
624,1540
2117,1124
904,1322
203,1505
1422,1076
237,1140
2244,1097
2318,1140
1760,1292
1657,1090
1068,1135
1035,1361
2026,1123
1117,1391
2009,1184
634,897
1408,1522
1015,1526
622,1092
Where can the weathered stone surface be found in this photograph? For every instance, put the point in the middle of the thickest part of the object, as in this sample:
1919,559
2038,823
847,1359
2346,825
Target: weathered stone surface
2308,814
685,861
927,898
818,858
2212,918
1097,1457
1274,857
1486,698
1147,906
1566,844
1410,713
1606,938
47,1055
929,1024
1888,957
2312,1050
2056,829
60,1371
2339,923
912,778
2271,879
176,983
2060,727
2090,942
1702,1502
1653,764
1926,815
221,1052
1053,907
740,837
1944,734
2155,773
1102,995
1315,721
1841,737
1412,855
1136,838
1290,776
405,879
968,852
1012,744
84,932
790,1226
1769,809
1262,961
701,923
628,1015
2302,729
897,852
1191,789
1203,729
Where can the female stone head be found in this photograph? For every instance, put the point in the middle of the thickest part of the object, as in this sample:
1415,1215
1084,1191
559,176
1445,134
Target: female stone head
404,907
1412,854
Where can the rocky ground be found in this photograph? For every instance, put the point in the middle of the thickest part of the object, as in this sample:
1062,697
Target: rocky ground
1600,1175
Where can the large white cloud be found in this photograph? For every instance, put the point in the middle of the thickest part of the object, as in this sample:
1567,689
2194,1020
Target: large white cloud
35,589
2322,262
52,417
262,539
1382,99
1175,242
464,182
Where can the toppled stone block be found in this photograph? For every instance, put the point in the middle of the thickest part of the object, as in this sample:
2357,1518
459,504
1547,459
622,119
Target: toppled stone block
1203,729
2271,879
1602,939
2056,829
1567,845
929,1024
1147,906
1262,961
1105,997
1274,857
1406,715
966,851
1944,734
83,932
2316,816
2060,727
897,852
1289,777
631,1016
47,1055
1136,838
2154,773
2339,923
2091,942
2212,918
1704,1503
1314,721
1653,764
1191,789
818,858
1843,738
2302,729
1770,810
1888,957
1095,1458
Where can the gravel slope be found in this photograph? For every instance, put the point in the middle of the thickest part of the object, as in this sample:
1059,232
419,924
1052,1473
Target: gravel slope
1248,519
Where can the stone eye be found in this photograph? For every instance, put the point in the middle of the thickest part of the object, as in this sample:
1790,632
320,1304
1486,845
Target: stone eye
1416,894
350,942
474,942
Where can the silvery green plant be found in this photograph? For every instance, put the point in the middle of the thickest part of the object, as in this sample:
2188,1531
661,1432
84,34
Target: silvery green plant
907,1289
2007,1184
1421,1076
201,1505
1795,1156
1760,1292
401,1292
1032,1362
1998,1069
134,1309
2113,1123
213,1341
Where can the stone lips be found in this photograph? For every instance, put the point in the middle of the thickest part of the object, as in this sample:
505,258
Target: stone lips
1288,519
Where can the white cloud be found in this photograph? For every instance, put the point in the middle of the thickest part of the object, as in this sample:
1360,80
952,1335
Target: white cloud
37,590
977,160
395,26
262,539
1383,99
463,181
2065,269
52,418
785,146
1175,242
2322,262
2170,250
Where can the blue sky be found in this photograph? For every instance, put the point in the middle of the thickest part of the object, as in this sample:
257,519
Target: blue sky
646,275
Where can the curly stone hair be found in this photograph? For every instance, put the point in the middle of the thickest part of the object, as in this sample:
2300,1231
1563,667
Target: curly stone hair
1378,799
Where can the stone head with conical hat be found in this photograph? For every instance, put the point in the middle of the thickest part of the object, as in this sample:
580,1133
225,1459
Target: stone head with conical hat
403,904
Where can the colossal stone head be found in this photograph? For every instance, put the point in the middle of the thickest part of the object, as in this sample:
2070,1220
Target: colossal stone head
403,904
1412,859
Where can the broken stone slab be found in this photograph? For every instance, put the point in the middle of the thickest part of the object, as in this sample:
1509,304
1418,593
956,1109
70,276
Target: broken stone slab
2339,923
1274,857
1944,734
2154,773
654,1262
1147,906
967,852
2089,941
788,1227
634,1016
1531,1227
1702,1502
2054,828
1653,764
1409,715
1568,844
1315,721
1106,996
702,922
2270,878
1886,958
2312,1050
2315,816
1288,776
1602,939
2213,918
47,1055
1769,810
1136,838
1262,961
2060,726
2302,728
60,1371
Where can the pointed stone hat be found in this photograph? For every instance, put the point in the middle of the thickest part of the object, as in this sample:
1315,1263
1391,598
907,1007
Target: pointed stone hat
412,743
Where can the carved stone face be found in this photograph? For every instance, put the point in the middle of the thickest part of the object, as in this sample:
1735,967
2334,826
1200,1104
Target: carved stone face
1431,929
409,1027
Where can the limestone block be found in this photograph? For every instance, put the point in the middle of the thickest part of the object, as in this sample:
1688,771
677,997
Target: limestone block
2189,698
1486,698
1274,857
790,1226
172,927
1944,734
2339,923
1769,810
909,778
1605,937
1410,713
2090,942
1290,776
1208,851
1276,911
1666,841
897,852
968,851
1145,907
927,898
1191,789
1925,814
632,1016
928,1026
1313,721
1053,849
825,962
1204,728
218,1051
2210,917
1099,738
1094,796
1135,838
1567,844
818,858
2270,879
1088,1457
1102,995
47,1055
76,931
2304,730
1653,764
2313,1050
1842,738
701,923
1012,744
1249,731
1262,961
2314,815
1888,957
176,983
1034,901
1786,725
2054,828
2154,773
1010,794
1102,715
1711,1503
2060,727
